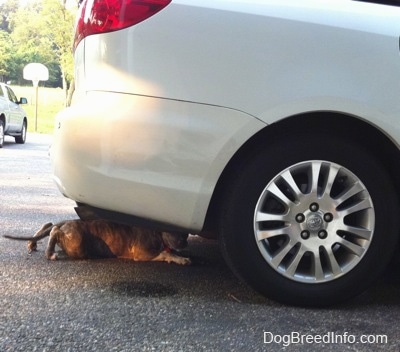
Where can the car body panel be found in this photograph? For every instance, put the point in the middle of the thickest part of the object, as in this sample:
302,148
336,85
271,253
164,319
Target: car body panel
299,56
169,102
149,165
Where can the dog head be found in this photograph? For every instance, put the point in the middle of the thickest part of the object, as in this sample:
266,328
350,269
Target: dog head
175,240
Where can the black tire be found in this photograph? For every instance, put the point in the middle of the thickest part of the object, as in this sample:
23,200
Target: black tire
22,137
255,261
1,133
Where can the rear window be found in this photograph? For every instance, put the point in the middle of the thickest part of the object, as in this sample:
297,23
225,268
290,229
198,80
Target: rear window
1,92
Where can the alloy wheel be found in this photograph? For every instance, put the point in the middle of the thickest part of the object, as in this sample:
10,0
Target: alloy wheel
314,221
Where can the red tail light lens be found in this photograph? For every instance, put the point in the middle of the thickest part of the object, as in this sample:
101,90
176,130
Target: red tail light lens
101,16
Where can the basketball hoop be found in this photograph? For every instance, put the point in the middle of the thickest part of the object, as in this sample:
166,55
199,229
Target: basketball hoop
36,72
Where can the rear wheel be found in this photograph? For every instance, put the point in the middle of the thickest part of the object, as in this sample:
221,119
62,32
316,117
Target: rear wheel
22,137
1,133
310,220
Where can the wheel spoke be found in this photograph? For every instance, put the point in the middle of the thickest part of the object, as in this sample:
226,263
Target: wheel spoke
261,216
352,247
279,230
353,190
332,262
265,234
363,204
279,195
295,191
315,172
333,171
291,269
277,259
359,232
318,272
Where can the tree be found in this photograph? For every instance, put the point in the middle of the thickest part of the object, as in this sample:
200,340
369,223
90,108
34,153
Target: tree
5,55
42,31
7,8
7,52
30,43
58,27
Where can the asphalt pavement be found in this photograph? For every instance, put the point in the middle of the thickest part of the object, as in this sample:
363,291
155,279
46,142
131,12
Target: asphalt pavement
119,305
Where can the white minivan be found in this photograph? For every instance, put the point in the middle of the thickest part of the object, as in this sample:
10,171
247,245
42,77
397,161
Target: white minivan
271,125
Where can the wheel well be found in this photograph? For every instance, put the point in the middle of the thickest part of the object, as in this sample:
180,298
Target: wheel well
3,118
361,132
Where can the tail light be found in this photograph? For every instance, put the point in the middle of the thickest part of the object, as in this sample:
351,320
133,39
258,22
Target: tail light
102,16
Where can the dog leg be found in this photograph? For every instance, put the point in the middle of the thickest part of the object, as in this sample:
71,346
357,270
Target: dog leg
32,245
51,246
169,257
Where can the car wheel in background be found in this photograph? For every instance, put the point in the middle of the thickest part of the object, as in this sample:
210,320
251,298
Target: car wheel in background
310,220
22,137
1,134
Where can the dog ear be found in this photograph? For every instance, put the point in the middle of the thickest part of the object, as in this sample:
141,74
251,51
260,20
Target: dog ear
175,240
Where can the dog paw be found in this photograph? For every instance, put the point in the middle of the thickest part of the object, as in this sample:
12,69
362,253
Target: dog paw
183,261
32,247
52,256
168,257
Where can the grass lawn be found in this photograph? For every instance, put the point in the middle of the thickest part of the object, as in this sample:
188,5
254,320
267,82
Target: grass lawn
50,102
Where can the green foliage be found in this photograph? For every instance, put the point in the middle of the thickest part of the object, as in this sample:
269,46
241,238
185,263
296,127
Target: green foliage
39,31
7,8
6,54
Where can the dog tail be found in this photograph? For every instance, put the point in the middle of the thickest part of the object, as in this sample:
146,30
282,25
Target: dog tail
43,232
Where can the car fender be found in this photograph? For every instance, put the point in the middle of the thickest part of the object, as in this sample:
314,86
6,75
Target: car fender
157,151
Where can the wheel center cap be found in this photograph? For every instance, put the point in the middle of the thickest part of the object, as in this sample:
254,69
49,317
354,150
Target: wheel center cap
314,222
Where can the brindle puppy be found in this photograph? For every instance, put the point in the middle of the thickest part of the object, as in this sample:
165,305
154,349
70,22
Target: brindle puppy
103,239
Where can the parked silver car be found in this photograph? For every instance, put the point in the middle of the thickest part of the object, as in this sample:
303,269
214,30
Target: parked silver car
13,119
271,125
